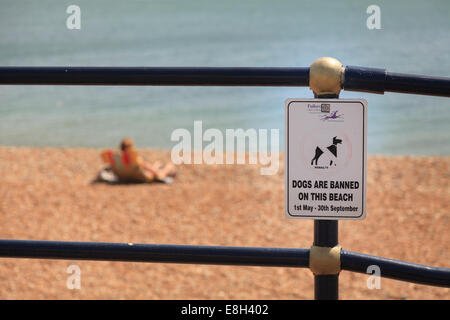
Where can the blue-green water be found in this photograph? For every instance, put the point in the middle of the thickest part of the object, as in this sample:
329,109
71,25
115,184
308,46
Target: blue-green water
414,39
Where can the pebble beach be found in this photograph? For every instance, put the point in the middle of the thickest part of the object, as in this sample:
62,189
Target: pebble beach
48,194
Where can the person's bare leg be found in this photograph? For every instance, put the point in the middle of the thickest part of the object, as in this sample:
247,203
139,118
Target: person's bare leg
168,170
171,170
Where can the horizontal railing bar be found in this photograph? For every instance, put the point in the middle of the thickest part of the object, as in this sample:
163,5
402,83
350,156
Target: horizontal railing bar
418,84
155,76
188,254
363,79
217,255
394,269
375,80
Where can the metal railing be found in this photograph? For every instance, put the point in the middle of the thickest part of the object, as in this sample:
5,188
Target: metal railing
355,78
217,255
325,231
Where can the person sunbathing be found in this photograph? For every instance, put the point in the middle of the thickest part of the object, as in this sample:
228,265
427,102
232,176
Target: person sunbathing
129,167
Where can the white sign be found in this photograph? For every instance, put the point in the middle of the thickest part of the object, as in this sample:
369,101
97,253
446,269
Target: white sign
326,141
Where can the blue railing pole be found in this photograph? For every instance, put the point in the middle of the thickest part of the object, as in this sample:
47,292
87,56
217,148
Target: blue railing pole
375,80
363,79
326,83
162,253
218,255
394,269
326,287
155,76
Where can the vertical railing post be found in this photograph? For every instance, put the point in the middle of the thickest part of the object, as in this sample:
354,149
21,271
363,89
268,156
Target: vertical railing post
325,80
326,287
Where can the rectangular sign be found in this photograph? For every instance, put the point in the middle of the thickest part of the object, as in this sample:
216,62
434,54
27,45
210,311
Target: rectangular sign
326,148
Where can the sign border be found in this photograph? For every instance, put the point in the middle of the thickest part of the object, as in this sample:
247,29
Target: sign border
363,103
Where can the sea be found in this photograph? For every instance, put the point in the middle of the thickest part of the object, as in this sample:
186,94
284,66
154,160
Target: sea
412,37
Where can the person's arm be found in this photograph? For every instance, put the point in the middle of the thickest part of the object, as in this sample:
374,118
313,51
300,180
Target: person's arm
135,158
